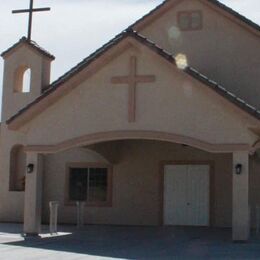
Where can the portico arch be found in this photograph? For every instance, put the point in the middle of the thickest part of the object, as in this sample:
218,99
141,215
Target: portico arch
135,134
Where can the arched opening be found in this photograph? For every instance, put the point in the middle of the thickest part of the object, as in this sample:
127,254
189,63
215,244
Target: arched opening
22,79
17,168
136,135
124,177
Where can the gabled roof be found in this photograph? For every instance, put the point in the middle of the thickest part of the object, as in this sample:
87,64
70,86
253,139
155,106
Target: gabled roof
216,3
31,44
57,85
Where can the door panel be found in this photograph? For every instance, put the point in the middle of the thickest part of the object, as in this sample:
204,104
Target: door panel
186,195
198,195
174,181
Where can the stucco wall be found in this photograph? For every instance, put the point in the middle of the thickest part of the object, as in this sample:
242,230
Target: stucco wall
97,105
40,77
136,182
11,203
223,50
254,186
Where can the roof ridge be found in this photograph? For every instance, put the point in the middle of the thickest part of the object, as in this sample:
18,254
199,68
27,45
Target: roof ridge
95,54
127,32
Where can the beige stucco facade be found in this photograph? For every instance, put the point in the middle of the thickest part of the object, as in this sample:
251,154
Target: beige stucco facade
224,50
178,119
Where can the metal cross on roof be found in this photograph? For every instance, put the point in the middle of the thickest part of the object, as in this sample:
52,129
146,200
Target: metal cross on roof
31,10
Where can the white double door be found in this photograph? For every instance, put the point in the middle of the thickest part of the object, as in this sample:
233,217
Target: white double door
186,195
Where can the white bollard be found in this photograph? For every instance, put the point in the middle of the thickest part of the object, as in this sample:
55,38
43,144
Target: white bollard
80,213
53,216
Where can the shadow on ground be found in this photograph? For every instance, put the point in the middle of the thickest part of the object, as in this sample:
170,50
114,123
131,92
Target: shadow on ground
147,243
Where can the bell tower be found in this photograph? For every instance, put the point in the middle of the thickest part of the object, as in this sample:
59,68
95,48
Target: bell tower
26,74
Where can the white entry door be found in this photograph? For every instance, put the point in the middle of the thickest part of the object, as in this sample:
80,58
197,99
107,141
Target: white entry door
186,195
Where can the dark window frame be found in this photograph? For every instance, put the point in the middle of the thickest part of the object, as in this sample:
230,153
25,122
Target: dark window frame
108,202
189,14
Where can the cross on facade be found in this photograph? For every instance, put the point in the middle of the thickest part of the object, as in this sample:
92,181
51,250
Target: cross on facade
31,10
132,80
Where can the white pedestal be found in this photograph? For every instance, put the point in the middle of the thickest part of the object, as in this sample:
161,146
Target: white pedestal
80,213
54,205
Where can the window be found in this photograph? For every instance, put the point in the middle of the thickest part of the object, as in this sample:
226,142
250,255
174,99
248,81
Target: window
190,20
91,184
17,168
22,82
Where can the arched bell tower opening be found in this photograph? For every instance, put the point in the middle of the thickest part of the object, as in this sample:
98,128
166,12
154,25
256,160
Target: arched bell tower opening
22,79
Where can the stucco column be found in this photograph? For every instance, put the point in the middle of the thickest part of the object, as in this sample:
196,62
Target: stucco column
240,216
33,195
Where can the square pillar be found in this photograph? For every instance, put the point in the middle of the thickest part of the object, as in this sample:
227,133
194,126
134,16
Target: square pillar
33,195
240,198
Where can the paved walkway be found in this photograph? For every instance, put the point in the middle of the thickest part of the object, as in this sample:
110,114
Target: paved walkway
107,242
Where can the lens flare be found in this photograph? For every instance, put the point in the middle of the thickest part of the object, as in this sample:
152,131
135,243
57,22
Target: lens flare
181,61
174,33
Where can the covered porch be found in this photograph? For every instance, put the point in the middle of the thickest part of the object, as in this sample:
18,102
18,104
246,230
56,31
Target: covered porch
137,188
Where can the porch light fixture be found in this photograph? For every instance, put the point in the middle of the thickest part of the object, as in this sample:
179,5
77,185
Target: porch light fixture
238,168
30,168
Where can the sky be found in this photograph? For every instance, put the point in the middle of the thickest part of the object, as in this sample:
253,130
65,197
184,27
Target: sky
73,29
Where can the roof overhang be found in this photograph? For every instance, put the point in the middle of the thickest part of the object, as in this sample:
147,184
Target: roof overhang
100,58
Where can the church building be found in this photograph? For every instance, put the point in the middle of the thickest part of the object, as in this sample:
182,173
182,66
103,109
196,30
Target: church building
160,126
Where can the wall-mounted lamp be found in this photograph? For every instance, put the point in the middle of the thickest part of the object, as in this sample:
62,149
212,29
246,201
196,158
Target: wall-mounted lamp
30,168
238,168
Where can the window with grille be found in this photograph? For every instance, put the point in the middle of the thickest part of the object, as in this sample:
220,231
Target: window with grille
90,184
190,20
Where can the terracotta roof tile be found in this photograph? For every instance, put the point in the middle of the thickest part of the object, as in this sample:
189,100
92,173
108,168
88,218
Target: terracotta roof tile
224,92
32,44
